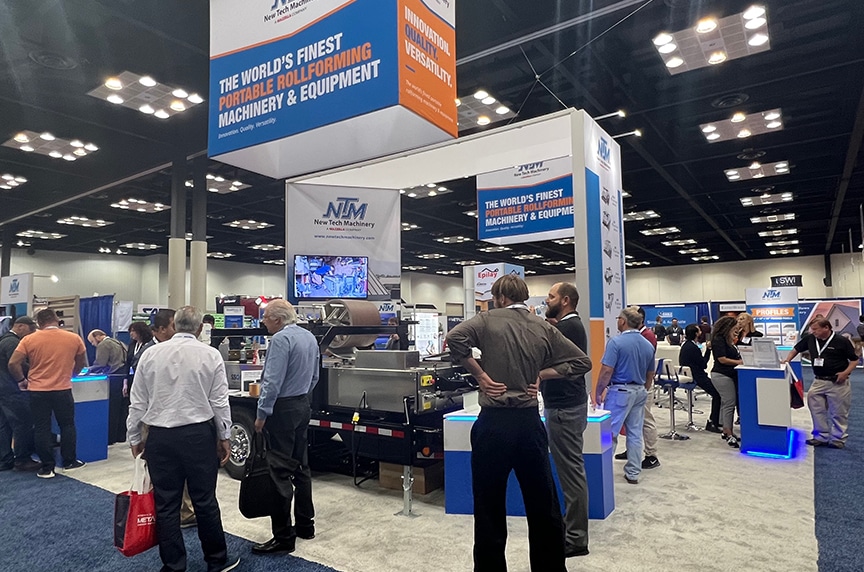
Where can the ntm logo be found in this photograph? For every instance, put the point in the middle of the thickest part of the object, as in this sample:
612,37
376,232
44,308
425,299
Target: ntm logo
604,151
529,167
346,208
14,286
771,295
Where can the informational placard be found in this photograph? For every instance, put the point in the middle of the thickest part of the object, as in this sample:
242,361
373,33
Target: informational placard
426,338
775,313
302,85
346,222
485,275
526,203
16,288
234,316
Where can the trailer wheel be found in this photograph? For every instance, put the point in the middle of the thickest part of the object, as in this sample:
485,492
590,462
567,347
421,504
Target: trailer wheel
242,430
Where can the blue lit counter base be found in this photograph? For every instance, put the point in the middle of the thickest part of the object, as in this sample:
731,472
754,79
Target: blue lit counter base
90,393
597,452
766,416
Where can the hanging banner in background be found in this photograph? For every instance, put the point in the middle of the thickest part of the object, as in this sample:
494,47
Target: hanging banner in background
775,313
526,203
346,222
684,313
787,280
302,85
602,174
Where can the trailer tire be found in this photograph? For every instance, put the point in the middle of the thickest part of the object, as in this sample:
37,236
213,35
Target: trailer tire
242,431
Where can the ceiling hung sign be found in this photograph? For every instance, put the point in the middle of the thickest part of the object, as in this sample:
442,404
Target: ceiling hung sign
526,203
298,86
789,280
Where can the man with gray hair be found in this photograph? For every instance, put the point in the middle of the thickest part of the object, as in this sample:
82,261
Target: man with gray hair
628,372
290,373
181,394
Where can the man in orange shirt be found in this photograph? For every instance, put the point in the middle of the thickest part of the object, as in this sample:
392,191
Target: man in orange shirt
54,356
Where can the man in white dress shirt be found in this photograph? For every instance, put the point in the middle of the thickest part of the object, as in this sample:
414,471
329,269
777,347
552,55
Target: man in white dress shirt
181,394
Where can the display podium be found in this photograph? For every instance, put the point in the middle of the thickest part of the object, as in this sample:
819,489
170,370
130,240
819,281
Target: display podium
90,393
597,452
766,416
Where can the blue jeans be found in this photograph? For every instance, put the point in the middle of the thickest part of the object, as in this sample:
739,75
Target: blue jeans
626,403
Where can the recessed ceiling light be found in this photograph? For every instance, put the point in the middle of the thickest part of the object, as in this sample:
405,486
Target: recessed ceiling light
709,129
706,25
674,62
638,263
182,94
772,115
779,232
453,239
55,155
266,247
483,120
219,255
458,102
757,40
277,262
134,92
79,152
554,263
773,124
448,272
782,243
662,39
565,241
414,268
177,105
161,114
717,57
412,195
140,246
147,81
738,117
693,251
195,98
489,100
139,206
466,262
480,94
640,215
247,224
147,109
712,136
660,230
47,136
754,11
41,235
22,138
27,148
115,99
667,48
755,23
433,256
772,218
754,165
679,242
785,251
744,133
528,256
69,157
47,144
114,83
706,258
501,110
494,249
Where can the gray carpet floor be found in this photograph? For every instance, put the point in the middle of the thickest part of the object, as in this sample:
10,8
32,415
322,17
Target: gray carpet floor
707,508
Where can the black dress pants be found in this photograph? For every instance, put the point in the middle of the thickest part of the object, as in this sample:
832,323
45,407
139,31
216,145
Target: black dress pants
178,456
62,405
288,428
15,410
505,439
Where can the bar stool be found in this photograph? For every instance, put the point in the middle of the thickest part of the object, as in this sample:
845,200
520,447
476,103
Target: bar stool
688,384
671,383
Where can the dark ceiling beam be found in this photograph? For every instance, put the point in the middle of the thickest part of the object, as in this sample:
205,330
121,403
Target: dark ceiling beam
848,168
623,4
637,246
683,193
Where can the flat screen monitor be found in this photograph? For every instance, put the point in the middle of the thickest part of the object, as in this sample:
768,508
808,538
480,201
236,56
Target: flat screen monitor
325,277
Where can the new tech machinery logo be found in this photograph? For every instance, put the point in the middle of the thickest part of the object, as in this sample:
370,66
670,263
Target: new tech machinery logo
604,152
283,9
14,286
345,212
772,295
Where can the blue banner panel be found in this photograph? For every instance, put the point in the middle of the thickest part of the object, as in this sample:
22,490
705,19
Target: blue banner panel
342,66
518,211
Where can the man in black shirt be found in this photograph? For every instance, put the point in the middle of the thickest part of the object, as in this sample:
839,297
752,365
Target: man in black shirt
659,329
674,333
690,356
830,396
566,405
16,421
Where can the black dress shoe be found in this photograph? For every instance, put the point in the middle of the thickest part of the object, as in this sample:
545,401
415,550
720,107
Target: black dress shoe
621,456
273,546
306,533
712,428
571,552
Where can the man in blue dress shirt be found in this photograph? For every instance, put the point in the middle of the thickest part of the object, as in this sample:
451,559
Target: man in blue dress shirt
290,373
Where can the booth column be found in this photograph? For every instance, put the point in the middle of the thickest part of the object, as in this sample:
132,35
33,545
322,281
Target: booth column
198,247
177,241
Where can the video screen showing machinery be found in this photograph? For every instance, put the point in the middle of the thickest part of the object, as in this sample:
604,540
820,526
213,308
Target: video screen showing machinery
323,277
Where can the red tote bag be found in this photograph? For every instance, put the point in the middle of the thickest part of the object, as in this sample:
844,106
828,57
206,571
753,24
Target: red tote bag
135,514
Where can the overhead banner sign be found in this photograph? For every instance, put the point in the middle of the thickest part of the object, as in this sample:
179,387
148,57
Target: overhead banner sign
775,313
302,85
526,203
784,281
346,222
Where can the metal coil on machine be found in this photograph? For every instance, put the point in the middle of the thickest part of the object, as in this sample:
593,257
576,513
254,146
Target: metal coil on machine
352,313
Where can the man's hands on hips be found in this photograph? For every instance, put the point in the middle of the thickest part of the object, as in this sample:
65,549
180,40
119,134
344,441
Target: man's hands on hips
223,450
489,386
259,425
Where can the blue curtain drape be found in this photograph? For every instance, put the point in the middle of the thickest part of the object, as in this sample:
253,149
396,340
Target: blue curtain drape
95,313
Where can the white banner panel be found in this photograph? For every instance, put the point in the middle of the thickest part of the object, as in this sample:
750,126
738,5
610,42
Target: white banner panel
346,222
17,288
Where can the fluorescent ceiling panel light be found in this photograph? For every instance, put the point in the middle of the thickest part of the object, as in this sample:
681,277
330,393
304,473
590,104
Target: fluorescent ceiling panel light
247,224
413,268
785,251
145,94
425,191
565,241
221,185
140,206
637,263
493,249
772,218
528,256
706,258
766,199
660,230
752,124
758,171
49,145
219,255
554,263
409,226
640,215
779,232
473,110
466,262
471,214
433,256
679,242
84,221
140,246
712,42
453,239
781,243
448,272
40,234
9,182
275,261
693,251
266,247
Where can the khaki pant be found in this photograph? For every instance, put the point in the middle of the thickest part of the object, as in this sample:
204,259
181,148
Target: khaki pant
186,510
649,430
829,404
